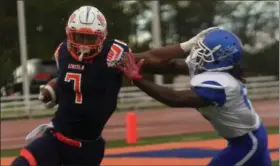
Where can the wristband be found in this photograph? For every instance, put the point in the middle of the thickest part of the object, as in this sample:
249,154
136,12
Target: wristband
186,46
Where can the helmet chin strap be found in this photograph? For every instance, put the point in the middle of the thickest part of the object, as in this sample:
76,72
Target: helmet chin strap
83,52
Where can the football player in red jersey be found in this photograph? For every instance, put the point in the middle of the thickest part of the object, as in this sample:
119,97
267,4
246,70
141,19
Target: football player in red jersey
86,91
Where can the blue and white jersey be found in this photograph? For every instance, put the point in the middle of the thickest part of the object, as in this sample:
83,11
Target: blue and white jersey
232,114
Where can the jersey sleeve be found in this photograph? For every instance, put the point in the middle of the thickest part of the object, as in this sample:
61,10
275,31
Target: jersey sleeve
116,52
116,46
210,89
56,55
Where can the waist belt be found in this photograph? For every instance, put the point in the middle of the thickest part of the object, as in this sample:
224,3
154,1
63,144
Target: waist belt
59,136
65,139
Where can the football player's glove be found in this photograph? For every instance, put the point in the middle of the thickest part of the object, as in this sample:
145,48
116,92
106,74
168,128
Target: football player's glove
130,68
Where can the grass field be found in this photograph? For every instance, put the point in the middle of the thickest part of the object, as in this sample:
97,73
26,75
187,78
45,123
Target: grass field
154,140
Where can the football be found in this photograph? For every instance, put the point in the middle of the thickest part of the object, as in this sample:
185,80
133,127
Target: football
47,92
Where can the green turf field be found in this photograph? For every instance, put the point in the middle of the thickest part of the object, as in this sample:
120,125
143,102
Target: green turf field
275,163
156,140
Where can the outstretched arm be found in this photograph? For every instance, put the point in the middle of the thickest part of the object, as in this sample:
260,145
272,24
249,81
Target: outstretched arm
172,66
170,97
160,55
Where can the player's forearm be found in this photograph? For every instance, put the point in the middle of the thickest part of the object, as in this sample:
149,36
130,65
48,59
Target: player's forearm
174,66
160,55
170,97
163,94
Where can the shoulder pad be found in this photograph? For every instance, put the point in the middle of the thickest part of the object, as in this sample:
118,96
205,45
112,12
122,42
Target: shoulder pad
215,87
216,80
116,53
120,42
112,41
56,54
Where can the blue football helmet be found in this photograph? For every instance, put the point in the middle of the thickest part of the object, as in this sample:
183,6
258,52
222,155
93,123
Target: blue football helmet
219,50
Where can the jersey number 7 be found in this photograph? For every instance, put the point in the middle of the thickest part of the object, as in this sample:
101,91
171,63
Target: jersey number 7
76,78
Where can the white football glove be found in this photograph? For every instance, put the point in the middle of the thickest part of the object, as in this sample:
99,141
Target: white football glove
41,97
187,46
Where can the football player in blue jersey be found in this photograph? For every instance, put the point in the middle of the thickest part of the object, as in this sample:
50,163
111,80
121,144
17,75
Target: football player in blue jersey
218,92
